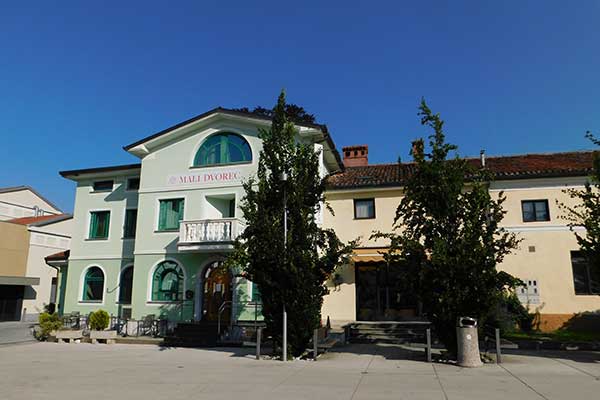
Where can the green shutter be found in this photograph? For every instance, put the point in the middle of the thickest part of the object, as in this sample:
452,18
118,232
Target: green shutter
162,217
93,225
180,212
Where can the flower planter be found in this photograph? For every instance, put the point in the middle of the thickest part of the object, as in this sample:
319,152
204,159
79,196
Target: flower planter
108,336
68,336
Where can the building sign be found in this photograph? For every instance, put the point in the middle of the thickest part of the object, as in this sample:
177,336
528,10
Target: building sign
206,177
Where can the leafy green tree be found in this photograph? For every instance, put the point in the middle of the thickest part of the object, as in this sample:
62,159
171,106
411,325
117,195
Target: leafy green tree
292,273
446,235
293,112
586,213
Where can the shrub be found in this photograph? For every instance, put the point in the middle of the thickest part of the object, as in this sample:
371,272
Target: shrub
48,323
511,315
99,320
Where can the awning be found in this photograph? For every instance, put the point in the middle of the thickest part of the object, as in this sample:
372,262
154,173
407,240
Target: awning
19,280
371,255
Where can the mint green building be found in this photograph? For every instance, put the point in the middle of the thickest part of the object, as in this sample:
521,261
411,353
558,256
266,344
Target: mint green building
150,238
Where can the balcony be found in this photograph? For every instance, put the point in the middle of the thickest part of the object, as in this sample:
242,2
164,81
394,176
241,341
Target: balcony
209,234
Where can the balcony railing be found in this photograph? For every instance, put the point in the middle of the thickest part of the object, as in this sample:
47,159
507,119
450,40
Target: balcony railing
209,232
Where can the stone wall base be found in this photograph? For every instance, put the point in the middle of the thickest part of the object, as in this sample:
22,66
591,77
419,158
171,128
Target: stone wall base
583,322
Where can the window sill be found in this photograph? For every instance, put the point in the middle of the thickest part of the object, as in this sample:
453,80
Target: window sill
101,191
91,301
167,231
95,239
362,219
157,302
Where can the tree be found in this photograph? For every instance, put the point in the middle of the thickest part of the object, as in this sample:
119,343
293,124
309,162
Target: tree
446,235
586,213
291,274
293,112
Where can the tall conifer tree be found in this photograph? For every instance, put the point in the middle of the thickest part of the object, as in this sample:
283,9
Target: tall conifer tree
447,237
291,274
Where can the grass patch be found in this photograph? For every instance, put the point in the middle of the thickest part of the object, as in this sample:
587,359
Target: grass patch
559,336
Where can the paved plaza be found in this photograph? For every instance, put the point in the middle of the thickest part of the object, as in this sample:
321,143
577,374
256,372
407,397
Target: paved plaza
86,371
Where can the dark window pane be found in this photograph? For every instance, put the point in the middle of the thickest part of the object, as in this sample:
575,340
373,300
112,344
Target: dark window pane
133,184
126,286
528,211
130,223
223,148
581,280
541,211
103,186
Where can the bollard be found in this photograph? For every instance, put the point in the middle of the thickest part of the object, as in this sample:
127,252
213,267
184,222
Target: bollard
284,350
467,343
315,344
498,354
428,334
258,339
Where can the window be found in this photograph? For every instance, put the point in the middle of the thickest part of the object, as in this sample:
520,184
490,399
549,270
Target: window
170,214
586,279
133,183
255,294
223,148
167,282
99,223
130,222
103,186
93,285
535,210
364,208
126,285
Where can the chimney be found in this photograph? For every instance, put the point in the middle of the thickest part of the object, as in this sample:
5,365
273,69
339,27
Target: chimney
482,158
356,156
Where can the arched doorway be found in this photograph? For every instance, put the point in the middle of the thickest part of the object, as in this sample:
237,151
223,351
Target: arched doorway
216,290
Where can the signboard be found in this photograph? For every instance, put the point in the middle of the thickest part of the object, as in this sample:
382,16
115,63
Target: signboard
206,177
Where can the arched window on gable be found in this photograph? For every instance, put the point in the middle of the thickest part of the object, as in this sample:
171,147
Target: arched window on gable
223,148
93,285
167,282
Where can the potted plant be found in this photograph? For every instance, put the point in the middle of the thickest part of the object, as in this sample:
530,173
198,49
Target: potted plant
98,322
50,325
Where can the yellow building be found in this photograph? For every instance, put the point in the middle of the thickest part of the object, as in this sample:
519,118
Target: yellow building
364,198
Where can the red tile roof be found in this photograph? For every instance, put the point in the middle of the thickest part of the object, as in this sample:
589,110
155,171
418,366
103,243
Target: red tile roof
34,220
503,167
63,255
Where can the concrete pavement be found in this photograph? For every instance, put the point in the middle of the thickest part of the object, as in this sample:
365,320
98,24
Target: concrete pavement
75,371
15,332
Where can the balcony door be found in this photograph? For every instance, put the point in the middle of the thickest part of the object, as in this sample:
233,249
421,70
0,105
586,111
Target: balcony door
217,291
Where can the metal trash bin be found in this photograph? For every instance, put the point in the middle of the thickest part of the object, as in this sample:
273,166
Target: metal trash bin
468,343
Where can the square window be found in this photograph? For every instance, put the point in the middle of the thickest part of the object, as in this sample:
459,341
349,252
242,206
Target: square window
130,223
535,210
364,208
103,186
133,183
99,224
170,214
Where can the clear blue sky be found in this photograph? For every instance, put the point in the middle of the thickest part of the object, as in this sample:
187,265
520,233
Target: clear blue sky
80,80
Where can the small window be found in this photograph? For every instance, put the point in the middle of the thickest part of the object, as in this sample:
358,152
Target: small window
364,208
103,186
586,279
170,214
99,224
167,282
130,223
93,285
133,183
535,210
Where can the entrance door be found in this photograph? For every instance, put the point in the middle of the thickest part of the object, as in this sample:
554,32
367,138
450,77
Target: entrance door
11,300
216,291
380,296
